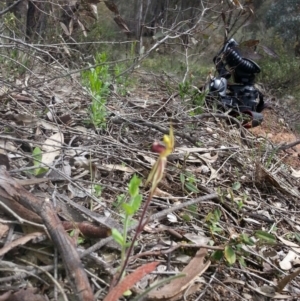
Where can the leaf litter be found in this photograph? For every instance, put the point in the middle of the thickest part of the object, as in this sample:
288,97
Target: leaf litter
253,211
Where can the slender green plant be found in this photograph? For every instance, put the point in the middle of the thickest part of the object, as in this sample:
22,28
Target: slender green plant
155,176
97,81
129,209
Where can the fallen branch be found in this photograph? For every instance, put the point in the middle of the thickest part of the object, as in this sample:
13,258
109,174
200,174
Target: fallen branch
289,145
10,190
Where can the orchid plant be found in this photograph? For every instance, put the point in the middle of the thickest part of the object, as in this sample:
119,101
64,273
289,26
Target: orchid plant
156,174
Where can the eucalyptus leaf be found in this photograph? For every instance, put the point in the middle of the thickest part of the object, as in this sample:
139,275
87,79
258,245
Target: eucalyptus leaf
265,236
191,187
229,255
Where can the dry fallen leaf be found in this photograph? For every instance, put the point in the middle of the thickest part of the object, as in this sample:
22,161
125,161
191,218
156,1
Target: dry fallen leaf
295,173
52,148
20,241
3,230
175,289
287,262
288,243
131,279
283,282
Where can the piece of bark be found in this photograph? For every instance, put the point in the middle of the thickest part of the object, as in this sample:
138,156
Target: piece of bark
11,190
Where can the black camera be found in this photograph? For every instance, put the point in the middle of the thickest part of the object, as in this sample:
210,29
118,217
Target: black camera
242,96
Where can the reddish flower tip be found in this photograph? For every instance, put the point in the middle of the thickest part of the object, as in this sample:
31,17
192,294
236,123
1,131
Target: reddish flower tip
157,147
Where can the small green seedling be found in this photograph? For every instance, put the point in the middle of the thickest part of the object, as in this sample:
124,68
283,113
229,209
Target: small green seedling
37,158
129,209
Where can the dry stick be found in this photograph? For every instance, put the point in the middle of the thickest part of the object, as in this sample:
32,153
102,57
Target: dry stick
290,145
172,249
11,190
154,126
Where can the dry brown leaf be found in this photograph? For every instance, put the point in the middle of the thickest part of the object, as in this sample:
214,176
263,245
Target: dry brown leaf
208,158
287,262
291,244
282,283
121,23
112,167
175,289
7,146
163,194
3,90
192,150
112,7
65,29
295,173
20,241
48,125
130,280
82,28
94,10
52,148
3,230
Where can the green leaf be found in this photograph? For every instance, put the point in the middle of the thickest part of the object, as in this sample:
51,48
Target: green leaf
133,186
182,178
265,236
40,171
242,262
191,187
236,185
98,190
186,217
128,209
217,214
136,203
217,255
117,236
246,239
297,236
127,293
37,156
193,210
231,193
229,255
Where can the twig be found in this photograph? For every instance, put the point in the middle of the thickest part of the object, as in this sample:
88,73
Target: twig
172,249
50,276
19,218
155,126
289,145
4,11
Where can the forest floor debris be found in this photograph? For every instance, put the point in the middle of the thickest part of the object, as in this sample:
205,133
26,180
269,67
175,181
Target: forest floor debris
248,225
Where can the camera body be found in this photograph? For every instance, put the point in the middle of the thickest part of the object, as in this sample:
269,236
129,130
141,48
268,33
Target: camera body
242,96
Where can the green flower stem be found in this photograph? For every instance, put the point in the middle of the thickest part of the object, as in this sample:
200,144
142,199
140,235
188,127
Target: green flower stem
139,229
